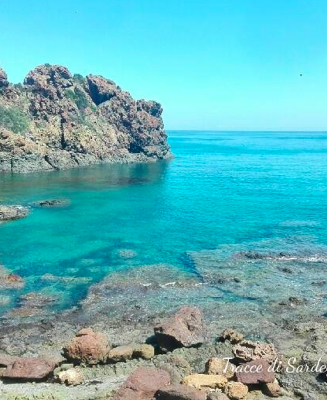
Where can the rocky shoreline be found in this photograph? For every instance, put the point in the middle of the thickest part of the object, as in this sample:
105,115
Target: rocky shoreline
183,358
58,121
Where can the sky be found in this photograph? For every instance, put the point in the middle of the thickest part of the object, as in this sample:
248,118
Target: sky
212,64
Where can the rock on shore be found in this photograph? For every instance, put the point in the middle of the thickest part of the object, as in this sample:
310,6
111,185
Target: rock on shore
56,120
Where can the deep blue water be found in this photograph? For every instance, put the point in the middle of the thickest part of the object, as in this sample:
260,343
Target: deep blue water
246,190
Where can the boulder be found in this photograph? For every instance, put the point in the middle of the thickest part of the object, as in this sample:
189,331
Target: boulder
71,377
219,366
29,369
179,392
231,335
250,351
143,384
88,347
3,79
200,381
184,329
255,372
11,213
236,390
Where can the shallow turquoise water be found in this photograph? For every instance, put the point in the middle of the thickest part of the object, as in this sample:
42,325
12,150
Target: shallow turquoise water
261,191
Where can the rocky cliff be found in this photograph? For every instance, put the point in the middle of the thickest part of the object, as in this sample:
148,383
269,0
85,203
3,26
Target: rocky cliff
55,121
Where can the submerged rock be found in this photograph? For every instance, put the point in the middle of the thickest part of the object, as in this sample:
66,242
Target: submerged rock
11,213
184,329
51,203
88,347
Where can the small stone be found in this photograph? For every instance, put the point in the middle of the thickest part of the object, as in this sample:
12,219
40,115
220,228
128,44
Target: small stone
236,390
232,335
179,392
272,389
200,381
120,353
255,372
145,351
219,366
71,377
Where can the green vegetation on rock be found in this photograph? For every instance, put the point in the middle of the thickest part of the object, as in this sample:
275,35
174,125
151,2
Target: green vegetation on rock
13,119
78,97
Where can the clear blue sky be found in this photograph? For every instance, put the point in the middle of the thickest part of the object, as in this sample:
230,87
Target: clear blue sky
213,64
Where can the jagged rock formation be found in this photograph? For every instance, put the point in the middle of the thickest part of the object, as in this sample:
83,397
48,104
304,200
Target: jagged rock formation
56,121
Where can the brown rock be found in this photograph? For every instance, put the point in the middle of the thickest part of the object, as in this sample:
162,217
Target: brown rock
184,329
29,369
143,383
250,351
272,389
255,372
232,335
200,381
236,390
179,392
219,366
88,347
120,353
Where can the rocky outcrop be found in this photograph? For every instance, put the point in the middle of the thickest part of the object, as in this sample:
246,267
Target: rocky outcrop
56,121
10,213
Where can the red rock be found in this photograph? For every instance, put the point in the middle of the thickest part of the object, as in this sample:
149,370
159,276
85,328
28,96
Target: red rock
144,383
88,347
179,392
29,369
255,372
184,329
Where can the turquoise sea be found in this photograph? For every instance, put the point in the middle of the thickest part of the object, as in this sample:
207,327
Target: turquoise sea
224,192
